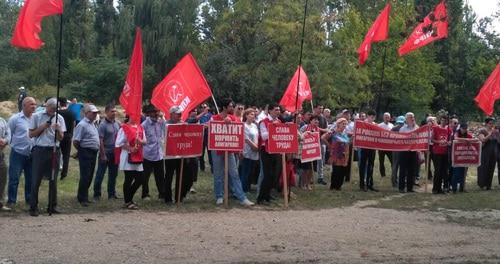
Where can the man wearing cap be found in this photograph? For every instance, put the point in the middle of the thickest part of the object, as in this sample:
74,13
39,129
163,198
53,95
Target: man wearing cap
153,151
173,165
86,141
400,121
387,125
45,127
20,98
108,131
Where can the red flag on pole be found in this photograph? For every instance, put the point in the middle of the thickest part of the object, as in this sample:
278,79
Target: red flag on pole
29,22
184,86
289,100
490,92
377,32
434,27
131,96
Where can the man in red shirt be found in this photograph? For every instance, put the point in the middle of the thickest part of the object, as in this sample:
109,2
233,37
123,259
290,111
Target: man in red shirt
227,116
440,140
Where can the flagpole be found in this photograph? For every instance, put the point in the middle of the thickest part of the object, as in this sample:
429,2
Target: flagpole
54,150
382,78
300,57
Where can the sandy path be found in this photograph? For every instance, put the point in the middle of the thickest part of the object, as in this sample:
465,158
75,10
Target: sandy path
343,235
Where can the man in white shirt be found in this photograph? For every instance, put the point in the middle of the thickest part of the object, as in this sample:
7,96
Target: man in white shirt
387,125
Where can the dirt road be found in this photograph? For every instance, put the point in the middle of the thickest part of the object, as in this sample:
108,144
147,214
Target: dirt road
343,235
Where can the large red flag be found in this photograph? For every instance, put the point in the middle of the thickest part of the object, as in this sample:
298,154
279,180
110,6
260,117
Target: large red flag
184,86
289,100
377,32
131,96
490,92
29,22
434,27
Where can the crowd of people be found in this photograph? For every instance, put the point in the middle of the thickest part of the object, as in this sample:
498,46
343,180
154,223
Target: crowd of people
41,142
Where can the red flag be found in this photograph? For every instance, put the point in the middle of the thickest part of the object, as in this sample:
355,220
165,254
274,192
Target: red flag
377,32
289,100
434,27
131,96
489,92
29,22
184,86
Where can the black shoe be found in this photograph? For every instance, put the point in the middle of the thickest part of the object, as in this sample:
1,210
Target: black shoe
363,188
113,197
263,202
372,189
401,191
322,182
411,191
34,212
62,177
53,211
84,204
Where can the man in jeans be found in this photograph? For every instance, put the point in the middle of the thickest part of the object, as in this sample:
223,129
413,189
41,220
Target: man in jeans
4,141
108,129
86,141
20,151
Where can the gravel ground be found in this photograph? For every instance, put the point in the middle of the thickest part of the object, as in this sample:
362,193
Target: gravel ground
343,235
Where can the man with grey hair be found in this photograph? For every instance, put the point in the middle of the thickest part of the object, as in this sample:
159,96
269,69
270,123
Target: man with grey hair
47,130
386,125
4,141
20,151
86,141
408,159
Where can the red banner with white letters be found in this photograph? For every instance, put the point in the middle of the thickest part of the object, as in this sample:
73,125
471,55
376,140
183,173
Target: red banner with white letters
224,136
466,153
183,141
371,136
283,138
311,147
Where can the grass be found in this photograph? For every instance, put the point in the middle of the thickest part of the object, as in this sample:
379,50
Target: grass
320,198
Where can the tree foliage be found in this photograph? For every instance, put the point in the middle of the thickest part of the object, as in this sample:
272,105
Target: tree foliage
250,49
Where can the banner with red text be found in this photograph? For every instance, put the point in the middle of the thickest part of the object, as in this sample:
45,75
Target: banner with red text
466,153
371,136
183,141
225,136
311,147
283,138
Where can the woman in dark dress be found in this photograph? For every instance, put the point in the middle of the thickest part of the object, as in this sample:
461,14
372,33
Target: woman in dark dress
490,137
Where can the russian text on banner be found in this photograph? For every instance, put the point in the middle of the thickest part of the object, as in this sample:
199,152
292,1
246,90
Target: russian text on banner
283,138
466,153
184,141
311,148
224,136
370,136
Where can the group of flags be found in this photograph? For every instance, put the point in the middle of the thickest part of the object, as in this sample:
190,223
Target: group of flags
434,27
186,87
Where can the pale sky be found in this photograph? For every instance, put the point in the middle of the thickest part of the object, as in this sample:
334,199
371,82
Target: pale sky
485,8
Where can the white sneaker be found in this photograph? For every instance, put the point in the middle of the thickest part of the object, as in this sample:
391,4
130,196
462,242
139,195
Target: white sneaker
192,190
246,202
219,201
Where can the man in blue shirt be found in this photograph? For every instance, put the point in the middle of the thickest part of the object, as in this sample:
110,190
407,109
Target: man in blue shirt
75,108
20,151
86,140
203,118
153,151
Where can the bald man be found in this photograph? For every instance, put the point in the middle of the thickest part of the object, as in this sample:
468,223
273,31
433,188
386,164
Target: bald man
20,154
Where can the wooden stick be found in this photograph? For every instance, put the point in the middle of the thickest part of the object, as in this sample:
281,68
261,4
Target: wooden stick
226,180
427,168
352,165
285,180
179,184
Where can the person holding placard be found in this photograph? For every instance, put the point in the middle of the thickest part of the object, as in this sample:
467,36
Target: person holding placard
227,116
338,142
173,165
307,167
459,173
271,162
367,161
